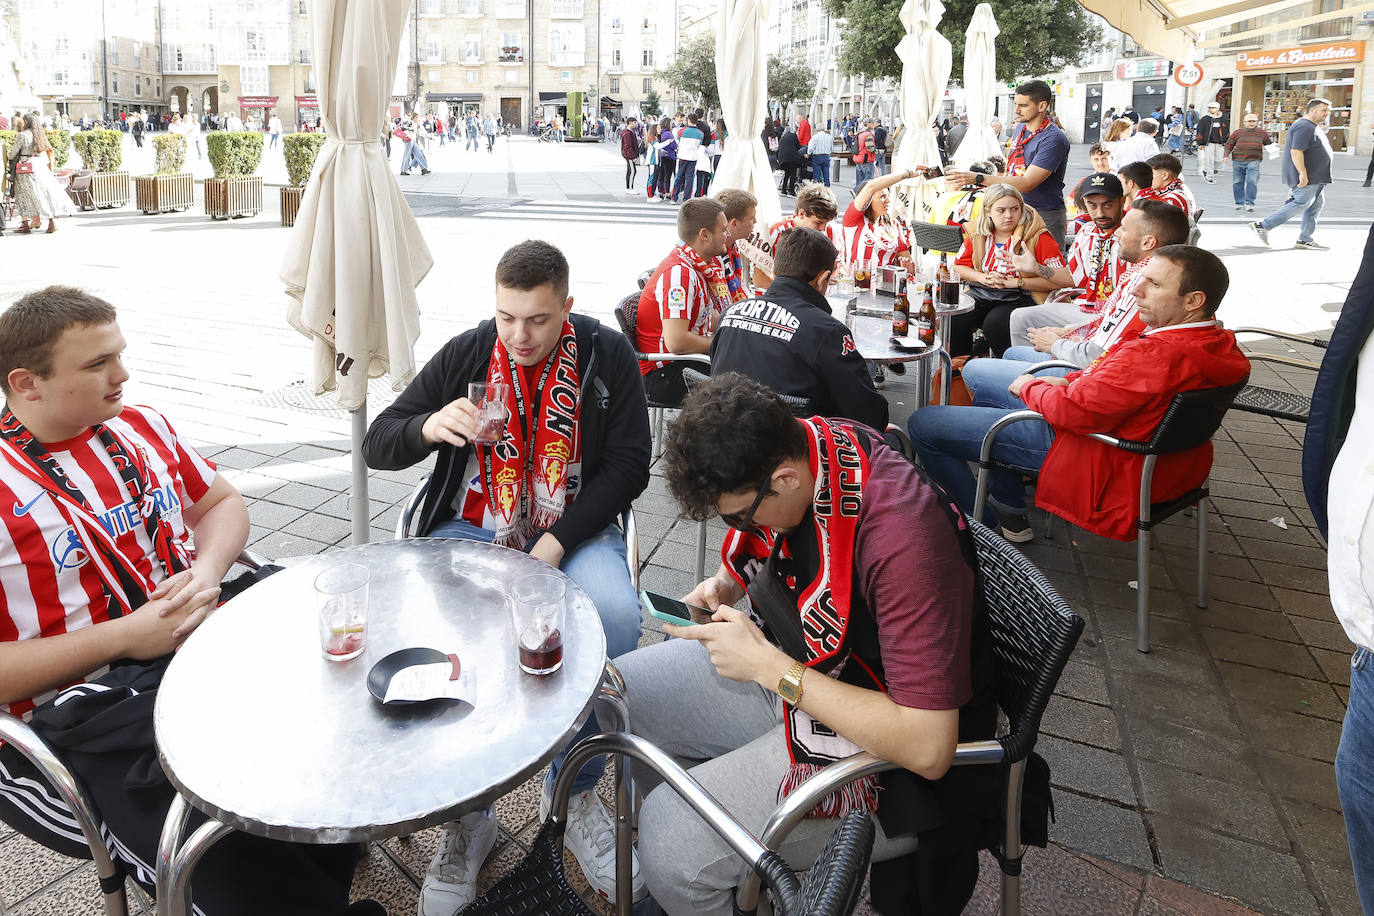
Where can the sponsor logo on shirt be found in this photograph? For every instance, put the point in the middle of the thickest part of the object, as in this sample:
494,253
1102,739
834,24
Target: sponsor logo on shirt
68,551
759,316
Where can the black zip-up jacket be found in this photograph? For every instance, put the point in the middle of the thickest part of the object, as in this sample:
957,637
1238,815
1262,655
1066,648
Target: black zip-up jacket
788,340
614,428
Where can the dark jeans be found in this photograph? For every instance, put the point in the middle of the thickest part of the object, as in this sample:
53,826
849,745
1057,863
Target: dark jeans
791,173
703,183
665,387
993,316
1369,175
667,167
820,169
685,182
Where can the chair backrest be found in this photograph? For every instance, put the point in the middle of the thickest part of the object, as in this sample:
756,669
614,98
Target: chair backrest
644,278
627,316
1192,418
1033,633
81,180
800,407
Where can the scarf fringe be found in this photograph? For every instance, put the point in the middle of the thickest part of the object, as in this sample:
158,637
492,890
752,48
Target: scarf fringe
859,795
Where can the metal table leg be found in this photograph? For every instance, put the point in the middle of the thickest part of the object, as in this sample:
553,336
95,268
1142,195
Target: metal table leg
176,859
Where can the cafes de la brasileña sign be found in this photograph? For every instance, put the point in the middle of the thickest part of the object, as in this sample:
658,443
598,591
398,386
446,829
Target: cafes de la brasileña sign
1337,53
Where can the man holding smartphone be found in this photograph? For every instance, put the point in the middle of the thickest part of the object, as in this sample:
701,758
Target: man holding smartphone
862,635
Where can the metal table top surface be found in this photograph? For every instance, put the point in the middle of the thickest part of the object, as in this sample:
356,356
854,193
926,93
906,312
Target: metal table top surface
256,728
875,304
872,337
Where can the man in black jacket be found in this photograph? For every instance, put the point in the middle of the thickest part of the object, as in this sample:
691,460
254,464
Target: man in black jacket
573,456
1212,133
789,160
788,339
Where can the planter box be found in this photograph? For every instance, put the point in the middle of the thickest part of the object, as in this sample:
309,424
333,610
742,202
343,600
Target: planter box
230,198
110,189
290,205
164,193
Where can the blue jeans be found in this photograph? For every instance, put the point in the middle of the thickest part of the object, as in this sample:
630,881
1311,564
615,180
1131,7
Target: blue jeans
880,163
820,169
598,566
1355,775
946,439
1245,181
987,379
1307,201
473,143
412,156
863,171
685,182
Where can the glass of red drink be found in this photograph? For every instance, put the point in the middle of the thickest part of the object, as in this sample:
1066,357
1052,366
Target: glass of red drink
341,599
537,607
490,401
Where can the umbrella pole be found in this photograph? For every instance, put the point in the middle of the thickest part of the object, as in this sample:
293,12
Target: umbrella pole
358,503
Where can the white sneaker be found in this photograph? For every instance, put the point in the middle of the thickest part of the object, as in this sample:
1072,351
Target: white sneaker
590,837
451,879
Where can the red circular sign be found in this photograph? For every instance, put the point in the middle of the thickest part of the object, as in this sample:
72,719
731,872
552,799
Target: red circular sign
1188,75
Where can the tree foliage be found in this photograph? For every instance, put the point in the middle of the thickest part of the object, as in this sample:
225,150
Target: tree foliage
693,74
652,105
789,80
1036,38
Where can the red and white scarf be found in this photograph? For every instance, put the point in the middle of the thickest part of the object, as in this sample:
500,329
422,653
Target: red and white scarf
713,276
525,474
840,467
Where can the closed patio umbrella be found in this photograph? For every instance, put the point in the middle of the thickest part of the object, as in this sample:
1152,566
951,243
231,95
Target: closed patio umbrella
980,87
926,62
742,75
356,254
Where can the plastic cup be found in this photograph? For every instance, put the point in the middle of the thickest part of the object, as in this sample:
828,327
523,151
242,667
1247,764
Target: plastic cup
537,607
341,598
490,399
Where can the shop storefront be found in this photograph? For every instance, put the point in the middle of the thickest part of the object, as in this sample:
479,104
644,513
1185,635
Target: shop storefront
257,107
307,111
1149,81
459,104
1277,83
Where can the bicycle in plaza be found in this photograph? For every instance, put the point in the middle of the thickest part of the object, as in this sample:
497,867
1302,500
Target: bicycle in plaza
548,135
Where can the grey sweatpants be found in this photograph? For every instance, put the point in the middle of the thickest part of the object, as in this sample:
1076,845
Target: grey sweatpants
731,736
1049,315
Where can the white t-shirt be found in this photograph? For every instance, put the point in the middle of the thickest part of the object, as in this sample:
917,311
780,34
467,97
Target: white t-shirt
1350,514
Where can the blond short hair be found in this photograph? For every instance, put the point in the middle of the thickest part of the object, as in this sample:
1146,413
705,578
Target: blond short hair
736,202
817,200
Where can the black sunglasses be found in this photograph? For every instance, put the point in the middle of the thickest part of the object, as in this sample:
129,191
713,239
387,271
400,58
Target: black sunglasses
742,522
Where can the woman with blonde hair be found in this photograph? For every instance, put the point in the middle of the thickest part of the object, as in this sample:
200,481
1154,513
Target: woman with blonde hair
37,194
1118,130
1006,225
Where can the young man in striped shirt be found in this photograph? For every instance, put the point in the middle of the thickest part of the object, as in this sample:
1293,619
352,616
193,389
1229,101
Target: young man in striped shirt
99,582
1166,185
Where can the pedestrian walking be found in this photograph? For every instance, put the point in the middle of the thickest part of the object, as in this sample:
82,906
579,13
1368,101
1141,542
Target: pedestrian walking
412,154
1307,172
882,139
629,151
689,145
473,128
1245,149
489,128
1369,173
1175,130
1212,133
273,131
136,128
820,148
865,155
37,194
667,157
790,160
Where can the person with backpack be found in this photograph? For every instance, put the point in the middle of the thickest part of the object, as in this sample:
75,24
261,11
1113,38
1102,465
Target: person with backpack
865,155
629,151
883,141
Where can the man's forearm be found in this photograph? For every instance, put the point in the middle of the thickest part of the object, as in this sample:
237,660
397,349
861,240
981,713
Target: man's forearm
220,535
31,667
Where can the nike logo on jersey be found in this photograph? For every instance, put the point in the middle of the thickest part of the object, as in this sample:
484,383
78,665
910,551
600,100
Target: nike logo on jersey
22,510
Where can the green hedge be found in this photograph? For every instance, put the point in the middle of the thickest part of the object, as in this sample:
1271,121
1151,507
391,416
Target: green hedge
171,153
234,154
301,149
575,114
100,150
61,141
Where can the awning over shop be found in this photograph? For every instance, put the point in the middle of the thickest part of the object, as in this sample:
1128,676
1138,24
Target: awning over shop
1172,28
608,103
553,98
307,101
454,96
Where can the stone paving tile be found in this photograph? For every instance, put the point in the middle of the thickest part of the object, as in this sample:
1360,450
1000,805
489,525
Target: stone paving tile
1242,810
1273,880
1180,667
1165,632
1167,898
1335,665
1322,834
1083,681
1299,778
1224,615
1100,828
1323,634
1338,887
1081,722
1282,691
1189,748
1304,736
29,867
1152,696
1087,770
1289,658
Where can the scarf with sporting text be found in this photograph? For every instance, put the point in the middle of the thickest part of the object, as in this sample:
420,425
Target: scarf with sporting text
525,474
717,287
124,582
824,606
735,273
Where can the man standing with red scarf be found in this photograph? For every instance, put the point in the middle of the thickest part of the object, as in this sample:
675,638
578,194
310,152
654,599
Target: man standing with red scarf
574,455
862,634
1038,159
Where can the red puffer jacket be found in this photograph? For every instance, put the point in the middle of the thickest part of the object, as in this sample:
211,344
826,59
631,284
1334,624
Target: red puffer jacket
1097,487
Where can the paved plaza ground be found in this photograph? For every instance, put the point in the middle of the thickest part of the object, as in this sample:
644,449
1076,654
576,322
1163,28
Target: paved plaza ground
1195,779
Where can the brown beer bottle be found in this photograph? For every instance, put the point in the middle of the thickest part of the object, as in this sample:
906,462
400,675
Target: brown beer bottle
925,319
901,312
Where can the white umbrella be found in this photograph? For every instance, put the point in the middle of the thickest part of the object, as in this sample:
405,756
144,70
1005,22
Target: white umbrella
742,75
356,254
926,62
980,86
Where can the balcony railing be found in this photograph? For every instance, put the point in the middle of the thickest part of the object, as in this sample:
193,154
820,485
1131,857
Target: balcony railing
1331,28
511,55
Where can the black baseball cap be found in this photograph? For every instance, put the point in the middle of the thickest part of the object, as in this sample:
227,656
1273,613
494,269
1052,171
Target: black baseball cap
1104,183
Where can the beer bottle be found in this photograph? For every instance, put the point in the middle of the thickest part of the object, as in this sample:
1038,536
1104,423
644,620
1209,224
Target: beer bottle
901,312
925,319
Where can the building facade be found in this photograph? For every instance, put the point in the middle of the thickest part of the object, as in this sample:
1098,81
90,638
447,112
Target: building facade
263,61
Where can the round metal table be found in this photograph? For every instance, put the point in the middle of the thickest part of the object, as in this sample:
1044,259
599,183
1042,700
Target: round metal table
872,337
262,733
868,303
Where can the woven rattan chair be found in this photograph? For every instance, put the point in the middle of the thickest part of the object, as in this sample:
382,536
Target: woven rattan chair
933,237
1275,402
1033,633
1190,421
537,886
627,316
800,407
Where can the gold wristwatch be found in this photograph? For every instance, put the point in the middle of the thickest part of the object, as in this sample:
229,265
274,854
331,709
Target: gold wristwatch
1020,282
790,685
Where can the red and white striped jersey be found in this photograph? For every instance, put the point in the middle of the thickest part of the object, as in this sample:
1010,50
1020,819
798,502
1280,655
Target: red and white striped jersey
676,290
832,232
1175,192
1096,264
1118,313
865,243
997,257
47,584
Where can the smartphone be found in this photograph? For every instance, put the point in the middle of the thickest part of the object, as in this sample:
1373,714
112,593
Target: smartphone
671,610
932,171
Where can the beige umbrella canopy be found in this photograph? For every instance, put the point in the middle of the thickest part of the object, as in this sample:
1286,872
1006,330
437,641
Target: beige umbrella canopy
356,254
926,62
742,75
980,87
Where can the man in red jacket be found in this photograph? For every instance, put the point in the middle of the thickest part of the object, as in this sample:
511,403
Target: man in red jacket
1125,393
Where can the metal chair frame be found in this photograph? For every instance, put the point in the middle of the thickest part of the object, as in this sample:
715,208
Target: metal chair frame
23,738
1196,431
1273,402
1025,683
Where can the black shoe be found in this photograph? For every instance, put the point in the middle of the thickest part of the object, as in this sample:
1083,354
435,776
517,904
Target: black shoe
424,171
365,908
897,368
1015,528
